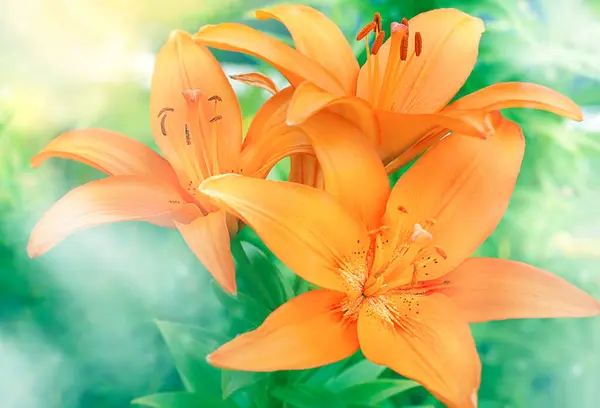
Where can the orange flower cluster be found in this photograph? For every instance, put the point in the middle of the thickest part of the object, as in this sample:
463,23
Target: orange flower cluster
397,281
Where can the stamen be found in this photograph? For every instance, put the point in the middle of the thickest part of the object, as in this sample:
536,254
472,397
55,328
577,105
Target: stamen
404,48
188,139
366,30
441,252
378,42
419,233
418,43
215,98
163,110
163,128
404,21
377,21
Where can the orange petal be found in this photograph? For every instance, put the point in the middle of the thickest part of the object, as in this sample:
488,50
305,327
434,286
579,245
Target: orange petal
208,237
306,332
519,95
400,131
426,83
305,169
428,343
465,185
497,289
269,139
293,65
257,79
186,76
352,170
113,199
411,153
110,152
309,99
304,227
320,39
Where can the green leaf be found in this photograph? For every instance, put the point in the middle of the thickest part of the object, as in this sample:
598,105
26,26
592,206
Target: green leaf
358,373
375,392
189,347
182,400
260,279
319,376
232,381
245,312
304,396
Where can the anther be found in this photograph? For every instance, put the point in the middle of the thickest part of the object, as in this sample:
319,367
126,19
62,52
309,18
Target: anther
188,139
418,43
163,128
215,98
404,48
402,209
215,118
404,21
419,233
377,21
378,42
366,30
163,110
441,252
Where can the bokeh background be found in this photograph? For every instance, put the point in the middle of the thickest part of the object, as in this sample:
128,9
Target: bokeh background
78,326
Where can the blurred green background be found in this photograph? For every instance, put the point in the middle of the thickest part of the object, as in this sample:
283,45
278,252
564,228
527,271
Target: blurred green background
77,326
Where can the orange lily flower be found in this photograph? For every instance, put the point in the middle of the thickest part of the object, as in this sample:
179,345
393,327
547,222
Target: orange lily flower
399,96
393,265
197,123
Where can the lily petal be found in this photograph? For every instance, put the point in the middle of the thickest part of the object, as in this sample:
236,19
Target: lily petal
469,183
208,237
269,139
306,332
519,95
304,227
110,152
305,169
257,79
105,201
293,65
400,131
496,289
319,38
351,168
309,99
423,338
186,76
426,83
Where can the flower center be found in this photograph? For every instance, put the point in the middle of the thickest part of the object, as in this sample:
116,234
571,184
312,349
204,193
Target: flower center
376,272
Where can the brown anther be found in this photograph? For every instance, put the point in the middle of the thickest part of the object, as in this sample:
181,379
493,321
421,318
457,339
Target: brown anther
366,30
163,110
418,43
215,98
378,42
404,48
441,252
404,21
163,128
216,118
377,21
403,209
188,139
